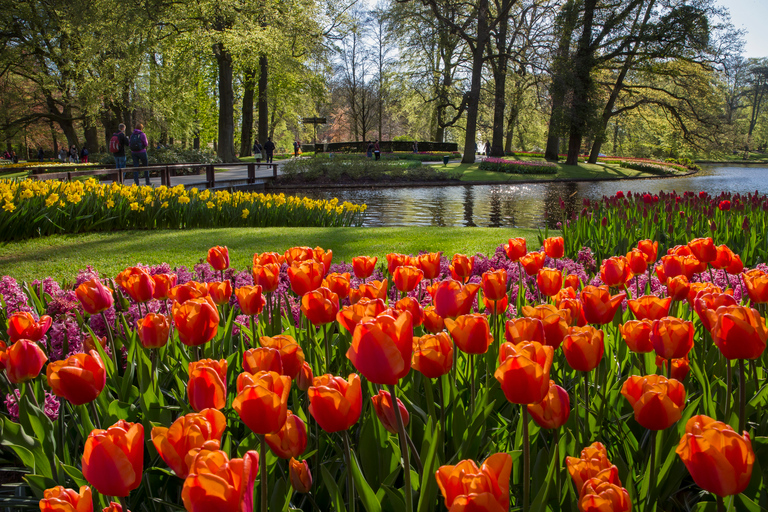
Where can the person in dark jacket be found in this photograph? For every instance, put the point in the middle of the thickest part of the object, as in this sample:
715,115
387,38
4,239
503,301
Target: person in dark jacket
122,142
138,145
269,149
257,151
40,154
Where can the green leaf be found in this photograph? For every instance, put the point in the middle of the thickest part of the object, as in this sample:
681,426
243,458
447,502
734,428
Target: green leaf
367,496
333,490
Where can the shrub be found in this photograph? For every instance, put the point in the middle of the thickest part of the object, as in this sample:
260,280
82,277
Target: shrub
517,166
352,168
654,168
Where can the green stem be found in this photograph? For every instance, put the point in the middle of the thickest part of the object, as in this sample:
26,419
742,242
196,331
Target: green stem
526,459
404,450
585,389
742,396
729,389
263,471
471,384
96,421
327,349
348,460
123,502
720,504
31,393
652,484
430,397
111,340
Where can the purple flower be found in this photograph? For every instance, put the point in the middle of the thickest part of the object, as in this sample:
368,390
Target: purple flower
14,297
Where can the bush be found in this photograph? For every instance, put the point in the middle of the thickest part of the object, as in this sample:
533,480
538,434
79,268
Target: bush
170,155
517,166
353,168
654,168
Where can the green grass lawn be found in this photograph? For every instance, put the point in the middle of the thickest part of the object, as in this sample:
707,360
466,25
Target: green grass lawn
61,256
471,172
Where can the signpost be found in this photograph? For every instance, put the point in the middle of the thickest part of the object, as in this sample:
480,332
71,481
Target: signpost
314,121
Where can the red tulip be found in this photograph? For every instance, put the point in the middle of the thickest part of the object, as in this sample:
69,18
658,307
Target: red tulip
349,316
153,330
658,402
369,290
220,291
196,320
649,250
301,478
516,249
395,260
550,281
432,355
583,348
468,488
703,249
94,296
429,263
461,267
599,305
324,257
412,306
335,403
724,257
680,367
678,287
524,373
553,411
164,283
518,330
706,302
433,323
59,499
291,440
218,257
320,306
267,276
637,335
186,436
113,459
738,331
80,378
407,278
451,299
263,403
382,406
338,284
23,361
262,359
615,271
137,283
555,321
268,258
637,263
250,299
216,483
185,292
671,337
494,284
22,325
470,333
298,255
207,387
649,307
305,276
554,247
533,262
291,354
363,266
382,347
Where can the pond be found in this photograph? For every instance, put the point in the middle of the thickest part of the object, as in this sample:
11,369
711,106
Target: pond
525,205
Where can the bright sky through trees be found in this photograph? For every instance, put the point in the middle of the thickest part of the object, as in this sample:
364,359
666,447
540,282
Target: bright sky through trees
752,16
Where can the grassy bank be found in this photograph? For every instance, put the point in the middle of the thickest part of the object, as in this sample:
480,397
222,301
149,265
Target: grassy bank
61,256
471,172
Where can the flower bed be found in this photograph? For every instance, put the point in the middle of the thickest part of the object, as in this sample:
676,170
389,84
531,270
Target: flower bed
653,168
517,166
38,208
165,388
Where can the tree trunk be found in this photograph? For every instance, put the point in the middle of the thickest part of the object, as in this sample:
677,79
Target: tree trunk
500,89
263,99
226,135
55,141
246,132
567,20
474,91
582,85
514,111
91,136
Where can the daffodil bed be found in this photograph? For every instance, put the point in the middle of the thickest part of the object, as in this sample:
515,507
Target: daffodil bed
37,208
523,379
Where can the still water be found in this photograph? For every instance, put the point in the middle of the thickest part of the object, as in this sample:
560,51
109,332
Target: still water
525,205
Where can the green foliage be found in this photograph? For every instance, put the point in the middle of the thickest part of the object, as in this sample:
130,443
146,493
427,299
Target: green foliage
654,168
356,169
512,167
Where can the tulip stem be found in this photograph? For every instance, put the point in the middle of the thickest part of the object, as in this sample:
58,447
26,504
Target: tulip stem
471,384
720,504
96,421
112,346
31,393
729,389
742,396
652,473
263,471
404,450
585,391
415,452
348,460
123,503
327,348
669,368
526,459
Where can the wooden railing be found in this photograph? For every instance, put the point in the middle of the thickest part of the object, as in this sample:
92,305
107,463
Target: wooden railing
166,172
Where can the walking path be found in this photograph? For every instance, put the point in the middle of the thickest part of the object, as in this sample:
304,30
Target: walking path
229,176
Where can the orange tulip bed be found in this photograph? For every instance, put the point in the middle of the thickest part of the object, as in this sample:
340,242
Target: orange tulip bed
519,381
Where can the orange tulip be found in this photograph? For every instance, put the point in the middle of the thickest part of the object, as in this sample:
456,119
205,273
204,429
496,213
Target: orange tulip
137,283
250,299
191,290
649,307
298,255
320,306
735,266
268,258
363,266
637,335
555,322
600,496
267,276
671,266
649,249
693,266
533,262
196,320
164,283
432,355
433,323
262,359
678,287
518,330
703,249
615,271
187,435
584,347
382,406
382,347
305,377
671,337
338,284
301,478
757,286
324,257
220,291
724,257
494,284
291,440
524,374
451,299
636,261
218,257
22,325
263,405
407,278
573,307
593,463
23,361
291,354
550,281
78,378
465,482
719,460
113,459
412,306
706,302
369,290
153,330
572,281
335,403
216,483
516,249
470,333
349,316
496,307
94,296
680,367
553,411
658,402
738,331
429,263
461,267
305,276
680,250
207,387
598,305
395,260
554,247
59,499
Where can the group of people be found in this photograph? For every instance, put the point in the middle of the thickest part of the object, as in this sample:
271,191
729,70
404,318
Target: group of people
71,155
266,151
11,155
137,144
374,150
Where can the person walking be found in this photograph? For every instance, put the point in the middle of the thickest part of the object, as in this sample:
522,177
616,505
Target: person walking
415,147
138,145
369,151
63,155
40,154
269,149
377,150
296,147
117,144
84,154
257,150
73,154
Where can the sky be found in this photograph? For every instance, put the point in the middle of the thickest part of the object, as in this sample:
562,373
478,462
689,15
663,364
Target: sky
752,16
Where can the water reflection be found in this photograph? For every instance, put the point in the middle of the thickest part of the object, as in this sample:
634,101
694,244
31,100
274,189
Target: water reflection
524,205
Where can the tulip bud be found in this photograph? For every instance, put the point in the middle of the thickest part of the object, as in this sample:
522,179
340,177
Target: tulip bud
382,405
153,330
305,377
301,478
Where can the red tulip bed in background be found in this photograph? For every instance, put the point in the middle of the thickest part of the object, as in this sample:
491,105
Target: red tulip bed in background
524,380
